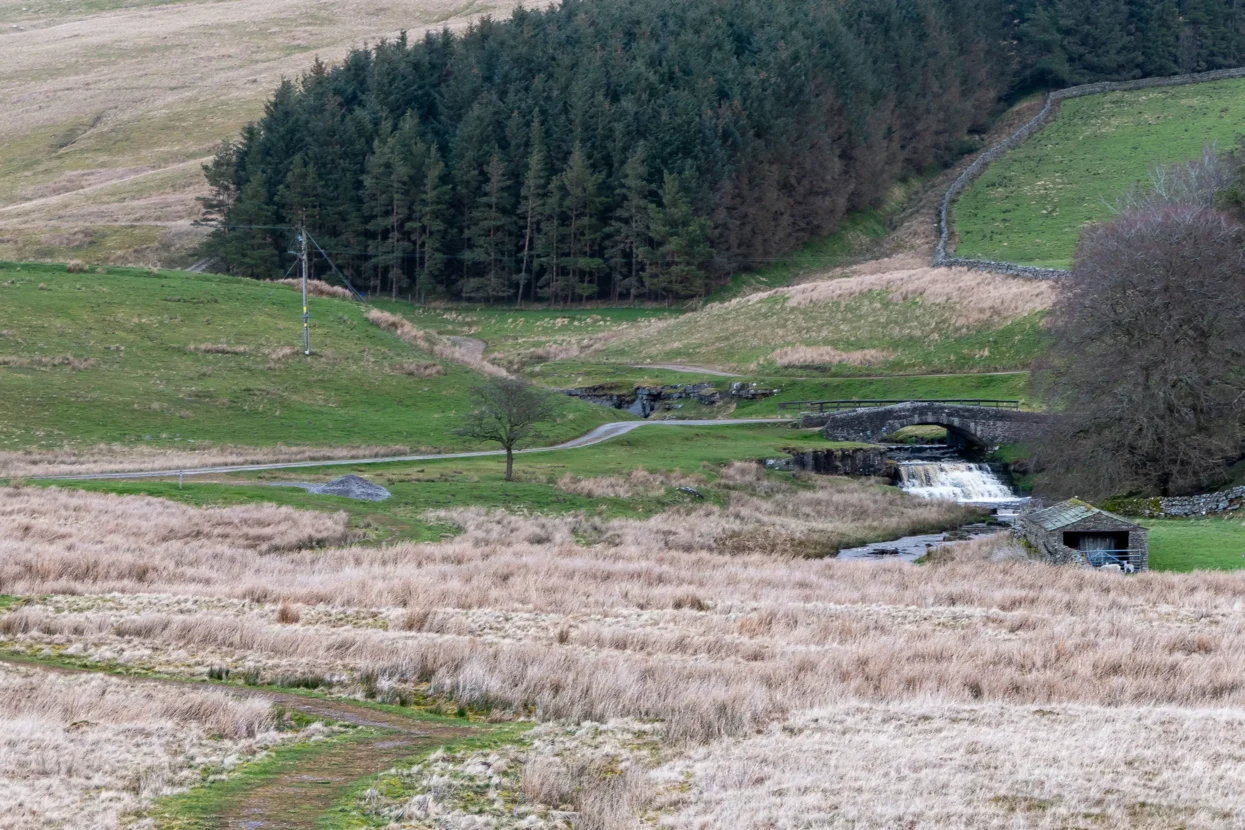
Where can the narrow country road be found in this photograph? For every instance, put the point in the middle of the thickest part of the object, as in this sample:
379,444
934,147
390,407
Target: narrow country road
694,370
603,433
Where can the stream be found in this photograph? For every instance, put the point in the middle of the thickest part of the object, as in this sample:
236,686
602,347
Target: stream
953,479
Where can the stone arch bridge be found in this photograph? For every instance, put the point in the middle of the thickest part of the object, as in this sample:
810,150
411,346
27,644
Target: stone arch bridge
971,424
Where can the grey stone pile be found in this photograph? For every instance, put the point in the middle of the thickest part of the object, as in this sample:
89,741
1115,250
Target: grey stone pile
347,487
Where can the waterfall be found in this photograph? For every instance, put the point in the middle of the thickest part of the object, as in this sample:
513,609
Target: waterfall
956,481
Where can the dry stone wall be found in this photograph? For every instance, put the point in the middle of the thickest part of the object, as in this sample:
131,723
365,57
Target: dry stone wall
943,254
1224,501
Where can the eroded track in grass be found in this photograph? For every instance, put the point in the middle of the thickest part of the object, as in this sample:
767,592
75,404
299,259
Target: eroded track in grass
296,789
302,790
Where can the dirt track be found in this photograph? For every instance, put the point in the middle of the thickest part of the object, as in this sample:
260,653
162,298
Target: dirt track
599,435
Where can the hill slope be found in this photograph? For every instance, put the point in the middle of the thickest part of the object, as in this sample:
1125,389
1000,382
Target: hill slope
177,360
885,317
112,105
1030,205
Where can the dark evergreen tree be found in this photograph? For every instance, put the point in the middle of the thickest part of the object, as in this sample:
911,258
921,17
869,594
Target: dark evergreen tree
534,191
490,242
504,162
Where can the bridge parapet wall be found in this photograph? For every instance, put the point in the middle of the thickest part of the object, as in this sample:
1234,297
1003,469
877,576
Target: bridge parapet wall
981,425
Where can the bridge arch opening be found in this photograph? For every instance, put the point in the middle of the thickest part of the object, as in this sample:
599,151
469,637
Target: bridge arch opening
953,436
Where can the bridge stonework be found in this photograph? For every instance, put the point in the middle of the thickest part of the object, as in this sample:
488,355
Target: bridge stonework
969,425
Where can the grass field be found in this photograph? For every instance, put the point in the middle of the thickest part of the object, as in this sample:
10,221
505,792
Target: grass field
179,361
112,105
1215,544
1030,205
1006,386
907,320
675,454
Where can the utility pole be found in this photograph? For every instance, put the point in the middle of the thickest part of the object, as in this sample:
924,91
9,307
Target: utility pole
302,238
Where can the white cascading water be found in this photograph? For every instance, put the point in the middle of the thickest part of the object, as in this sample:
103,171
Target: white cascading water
955,481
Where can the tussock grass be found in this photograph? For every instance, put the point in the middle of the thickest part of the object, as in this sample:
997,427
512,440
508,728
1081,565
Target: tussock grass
706,618
319,288
78,364
822,356
98,533
776,681
83,751
638,483
933,764
888,316
433,343
219,348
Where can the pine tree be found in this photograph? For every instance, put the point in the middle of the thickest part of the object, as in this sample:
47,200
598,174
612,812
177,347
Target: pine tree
681,251
299,197
581,206
1156,28
432,210
221,176
489,240
248,248
532,194
628,231
386,186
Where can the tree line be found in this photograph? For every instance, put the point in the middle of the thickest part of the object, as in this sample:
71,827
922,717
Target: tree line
607,151
1068,42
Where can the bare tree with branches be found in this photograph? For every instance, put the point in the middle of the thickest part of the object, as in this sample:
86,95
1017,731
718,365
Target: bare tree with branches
1147,373
1205,181
507,411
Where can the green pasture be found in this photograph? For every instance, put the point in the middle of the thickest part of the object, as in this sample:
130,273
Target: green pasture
117,357
1031,204
420,487
1213,543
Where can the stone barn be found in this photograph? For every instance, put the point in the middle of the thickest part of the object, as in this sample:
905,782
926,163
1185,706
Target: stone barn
1075,532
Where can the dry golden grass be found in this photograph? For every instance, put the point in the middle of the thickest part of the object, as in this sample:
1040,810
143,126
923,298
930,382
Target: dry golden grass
893,313
983,690
78,364
821,356
81,752
933,764
669,618
128,458
443,347
219,348
319,288
112,107
979,297
98,534
637,483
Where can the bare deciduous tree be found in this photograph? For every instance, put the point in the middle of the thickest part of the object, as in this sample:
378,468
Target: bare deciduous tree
1148,368
507,411
1205,181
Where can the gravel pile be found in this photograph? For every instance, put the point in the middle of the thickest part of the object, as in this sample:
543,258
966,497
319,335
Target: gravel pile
348,487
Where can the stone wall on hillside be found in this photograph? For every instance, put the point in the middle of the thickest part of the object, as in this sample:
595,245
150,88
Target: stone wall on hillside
1224,501
943,253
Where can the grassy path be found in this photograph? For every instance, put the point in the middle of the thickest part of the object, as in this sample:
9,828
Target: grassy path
307,785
